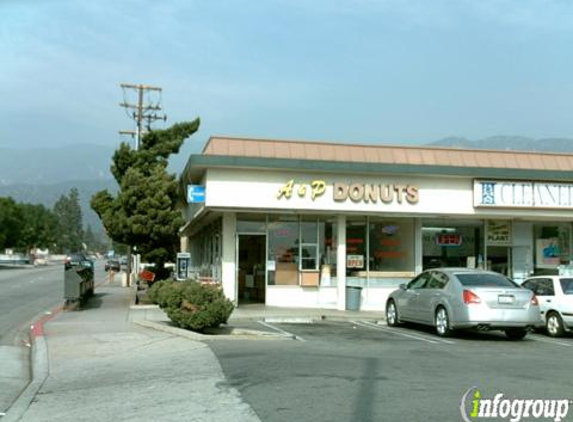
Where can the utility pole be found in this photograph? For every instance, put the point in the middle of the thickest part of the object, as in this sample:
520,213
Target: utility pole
143,110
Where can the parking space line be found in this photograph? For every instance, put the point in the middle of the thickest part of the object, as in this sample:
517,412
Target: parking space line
399,332
548,340
280,330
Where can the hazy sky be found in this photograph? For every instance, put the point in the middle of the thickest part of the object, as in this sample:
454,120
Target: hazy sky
387,71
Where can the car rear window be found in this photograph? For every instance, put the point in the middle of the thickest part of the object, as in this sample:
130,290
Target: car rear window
485,280
567,285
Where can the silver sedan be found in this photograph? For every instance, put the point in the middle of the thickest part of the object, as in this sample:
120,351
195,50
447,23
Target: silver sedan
462,298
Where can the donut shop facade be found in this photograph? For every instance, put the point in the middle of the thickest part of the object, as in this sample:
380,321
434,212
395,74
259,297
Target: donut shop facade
293,224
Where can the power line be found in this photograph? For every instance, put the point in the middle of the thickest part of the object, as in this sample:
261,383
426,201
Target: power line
143,111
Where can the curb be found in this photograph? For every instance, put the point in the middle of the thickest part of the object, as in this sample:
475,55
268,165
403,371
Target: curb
233,334
39,365
40,371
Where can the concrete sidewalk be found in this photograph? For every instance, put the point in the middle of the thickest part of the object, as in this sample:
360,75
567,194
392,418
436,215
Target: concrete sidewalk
104,363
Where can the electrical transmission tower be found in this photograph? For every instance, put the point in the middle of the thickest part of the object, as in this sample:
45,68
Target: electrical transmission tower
144,111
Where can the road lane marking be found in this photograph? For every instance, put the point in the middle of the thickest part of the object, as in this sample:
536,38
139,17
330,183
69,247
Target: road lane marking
548,340
400,332
280,330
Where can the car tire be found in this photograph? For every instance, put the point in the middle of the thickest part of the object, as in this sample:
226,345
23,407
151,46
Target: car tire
442,322
516,333
392,314
554,325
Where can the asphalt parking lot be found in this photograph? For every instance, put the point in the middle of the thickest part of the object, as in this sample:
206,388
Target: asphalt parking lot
364,371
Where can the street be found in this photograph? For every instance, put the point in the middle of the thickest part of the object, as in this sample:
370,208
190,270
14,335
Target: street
27,294
360,371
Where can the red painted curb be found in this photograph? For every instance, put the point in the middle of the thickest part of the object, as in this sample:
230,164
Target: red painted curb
37,328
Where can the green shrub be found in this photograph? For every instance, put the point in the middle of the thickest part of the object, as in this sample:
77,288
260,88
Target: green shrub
192,305
165,293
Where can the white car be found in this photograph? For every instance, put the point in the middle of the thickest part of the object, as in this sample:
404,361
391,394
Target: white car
555,296
40,262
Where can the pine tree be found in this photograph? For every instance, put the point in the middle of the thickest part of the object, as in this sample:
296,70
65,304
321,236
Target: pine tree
145,211
69,227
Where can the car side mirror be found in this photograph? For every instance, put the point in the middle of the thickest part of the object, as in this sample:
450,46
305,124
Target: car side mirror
403,286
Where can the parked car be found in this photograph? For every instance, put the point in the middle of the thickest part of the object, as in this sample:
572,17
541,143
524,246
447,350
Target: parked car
462,298
77,259
555,295
112,264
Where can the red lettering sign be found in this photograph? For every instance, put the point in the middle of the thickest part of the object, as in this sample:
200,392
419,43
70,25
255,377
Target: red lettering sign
449,239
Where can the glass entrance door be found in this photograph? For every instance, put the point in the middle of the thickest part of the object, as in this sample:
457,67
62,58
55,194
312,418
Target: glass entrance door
251,268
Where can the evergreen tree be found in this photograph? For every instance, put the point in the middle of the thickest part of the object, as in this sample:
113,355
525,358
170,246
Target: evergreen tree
69,222
145,211
10,223
38,228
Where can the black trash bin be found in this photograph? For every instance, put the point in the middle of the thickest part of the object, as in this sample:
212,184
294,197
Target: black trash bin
353,298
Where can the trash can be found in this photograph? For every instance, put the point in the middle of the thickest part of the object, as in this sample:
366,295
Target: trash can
353,297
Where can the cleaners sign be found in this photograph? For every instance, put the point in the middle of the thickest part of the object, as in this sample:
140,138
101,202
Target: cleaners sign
519,194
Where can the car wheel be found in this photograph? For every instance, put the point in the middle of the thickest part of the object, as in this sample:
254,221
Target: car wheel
442,322
516,333
391,314
554,325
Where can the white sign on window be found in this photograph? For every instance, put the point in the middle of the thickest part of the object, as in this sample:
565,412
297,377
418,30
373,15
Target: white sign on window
354,261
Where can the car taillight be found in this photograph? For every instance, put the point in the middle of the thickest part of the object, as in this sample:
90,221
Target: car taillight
470,297
534,301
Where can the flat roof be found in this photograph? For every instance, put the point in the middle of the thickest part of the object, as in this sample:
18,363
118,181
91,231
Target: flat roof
238,152
389,154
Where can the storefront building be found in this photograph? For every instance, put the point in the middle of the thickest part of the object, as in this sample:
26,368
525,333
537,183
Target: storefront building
294,223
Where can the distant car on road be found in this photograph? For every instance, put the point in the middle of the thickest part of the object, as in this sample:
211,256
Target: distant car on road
555,294
113,265
77,259
40,261
462,298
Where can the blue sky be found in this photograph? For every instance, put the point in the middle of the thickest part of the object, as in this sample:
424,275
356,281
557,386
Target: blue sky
364,71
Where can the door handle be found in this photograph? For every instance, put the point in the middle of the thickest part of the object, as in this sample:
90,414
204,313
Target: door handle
548,300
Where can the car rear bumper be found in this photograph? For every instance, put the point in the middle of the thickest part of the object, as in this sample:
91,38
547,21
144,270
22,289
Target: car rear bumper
486,318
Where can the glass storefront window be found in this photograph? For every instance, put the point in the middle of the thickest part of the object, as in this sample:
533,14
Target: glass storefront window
449,243
328,252
309,243
283,241
244,226
355,246
552,246
391,245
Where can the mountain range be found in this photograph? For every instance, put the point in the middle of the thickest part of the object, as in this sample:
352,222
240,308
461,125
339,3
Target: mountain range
513,143
41,176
